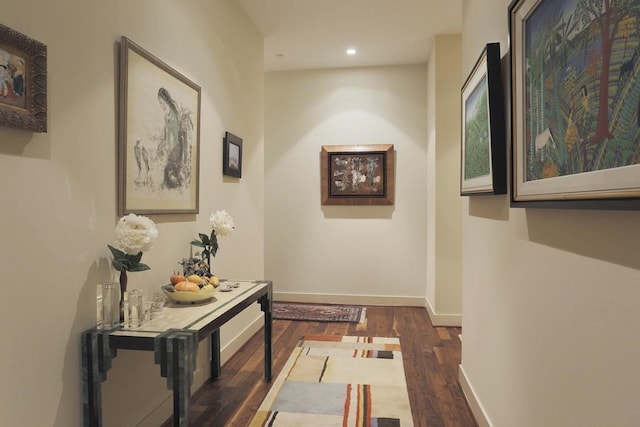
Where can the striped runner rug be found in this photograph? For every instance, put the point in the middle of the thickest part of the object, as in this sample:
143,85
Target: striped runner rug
339,381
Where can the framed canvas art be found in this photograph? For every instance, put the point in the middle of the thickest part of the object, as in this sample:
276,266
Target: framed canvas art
23,81
232,155
159,140
484,157
357,174
575,90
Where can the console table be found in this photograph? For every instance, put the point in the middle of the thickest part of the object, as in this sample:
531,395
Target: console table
173,335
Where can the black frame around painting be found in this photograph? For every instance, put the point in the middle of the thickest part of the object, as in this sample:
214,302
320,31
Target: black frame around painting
159,136
23,104
232,155
483,156
573,145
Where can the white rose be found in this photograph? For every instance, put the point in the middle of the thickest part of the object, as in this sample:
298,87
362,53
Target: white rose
136,234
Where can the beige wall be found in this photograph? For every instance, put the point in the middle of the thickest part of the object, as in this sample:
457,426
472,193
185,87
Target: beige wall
550,299
345,253
59,199
444,229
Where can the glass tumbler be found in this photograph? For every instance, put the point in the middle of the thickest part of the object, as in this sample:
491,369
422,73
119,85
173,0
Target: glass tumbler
110,303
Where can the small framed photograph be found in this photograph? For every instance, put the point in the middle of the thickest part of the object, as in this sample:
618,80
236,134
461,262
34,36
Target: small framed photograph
232,155
159,141
574,101
23,81
357,174
484,156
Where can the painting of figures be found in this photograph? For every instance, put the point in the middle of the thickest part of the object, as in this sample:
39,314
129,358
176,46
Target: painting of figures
23,81
159,137
483,169
12,75
357,174
576,94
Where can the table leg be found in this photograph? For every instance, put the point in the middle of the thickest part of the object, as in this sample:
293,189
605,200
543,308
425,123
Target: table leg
216,367
176,353
97,354
266,307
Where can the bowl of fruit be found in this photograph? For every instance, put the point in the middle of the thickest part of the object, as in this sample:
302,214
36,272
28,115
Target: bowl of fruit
191,289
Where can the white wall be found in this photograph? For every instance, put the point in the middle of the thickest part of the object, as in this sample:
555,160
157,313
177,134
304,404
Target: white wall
550,297
59,193
345,253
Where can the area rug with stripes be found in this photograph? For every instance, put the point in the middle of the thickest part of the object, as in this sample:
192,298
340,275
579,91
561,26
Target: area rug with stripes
319,312
339,381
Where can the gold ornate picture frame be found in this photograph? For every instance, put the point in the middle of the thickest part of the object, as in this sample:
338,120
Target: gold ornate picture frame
23,81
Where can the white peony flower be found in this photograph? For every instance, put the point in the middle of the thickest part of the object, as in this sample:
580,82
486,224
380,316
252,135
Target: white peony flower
221,223
136,234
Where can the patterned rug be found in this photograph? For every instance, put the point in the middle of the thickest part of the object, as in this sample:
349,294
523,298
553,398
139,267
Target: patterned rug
339,381
318,312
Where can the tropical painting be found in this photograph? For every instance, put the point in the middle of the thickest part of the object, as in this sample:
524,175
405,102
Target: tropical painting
483,160
581,87
477,148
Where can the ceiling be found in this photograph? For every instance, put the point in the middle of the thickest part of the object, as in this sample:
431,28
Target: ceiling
306,34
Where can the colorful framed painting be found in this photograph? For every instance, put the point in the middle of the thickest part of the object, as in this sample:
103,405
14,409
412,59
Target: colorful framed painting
23,81
159,136
232,155
357,174
575,90
484,157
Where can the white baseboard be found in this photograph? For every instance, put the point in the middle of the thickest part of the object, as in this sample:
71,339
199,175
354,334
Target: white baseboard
203,372
398,301
472,399
438,319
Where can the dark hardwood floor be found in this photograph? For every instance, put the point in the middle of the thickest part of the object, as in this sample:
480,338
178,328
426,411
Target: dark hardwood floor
431,358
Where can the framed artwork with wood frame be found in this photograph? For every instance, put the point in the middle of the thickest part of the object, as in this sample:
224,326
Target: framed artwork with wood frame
232,155
357,174
159,136
484,151
23,81
575,90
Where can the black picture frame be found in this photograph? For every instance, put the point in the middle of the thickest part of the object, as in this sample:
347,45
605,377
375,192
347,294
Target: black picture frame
573,140
484,149
23,89
232,155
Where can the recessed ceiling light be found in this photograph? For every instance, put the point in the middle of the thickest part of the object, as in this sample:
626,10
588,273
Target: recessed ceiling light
351,51
279,55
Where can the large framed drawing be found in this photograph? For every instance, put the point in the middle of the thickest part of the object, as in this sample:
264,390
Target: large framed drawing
23,81
159,141
484,153
357,174
575,90
232,155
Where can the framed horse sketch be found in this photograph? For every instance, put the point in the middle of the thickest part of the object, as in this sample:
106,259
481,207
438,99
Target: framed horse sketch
575,100
159,136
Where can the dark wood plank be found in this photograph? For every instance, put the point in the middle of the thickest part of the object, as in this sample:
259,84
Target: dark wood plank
431,359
